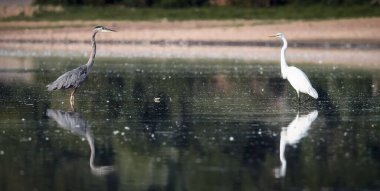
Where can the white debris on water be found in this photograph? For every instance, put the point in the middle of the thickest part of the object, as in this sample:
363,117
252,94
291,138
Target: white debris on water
126,128
116,132
2,152
231,138
261,70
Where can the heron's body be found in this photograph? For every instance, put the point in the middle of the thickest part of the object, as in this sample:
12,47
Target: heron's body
296,77
70,80
73,79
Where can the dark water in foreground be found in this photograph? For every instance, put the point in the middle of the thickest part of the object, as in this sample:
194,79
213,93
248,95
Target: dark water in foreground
187,125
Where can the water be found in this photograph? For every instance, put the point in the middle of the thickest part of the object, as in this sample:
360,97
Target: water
145,124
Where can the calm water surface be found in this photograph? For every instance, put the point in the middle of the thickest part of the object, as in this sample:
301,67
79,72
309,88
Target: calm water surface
187,125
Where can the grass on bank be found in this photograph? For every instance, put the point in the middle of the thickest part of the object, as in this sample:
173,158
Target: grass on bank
216,13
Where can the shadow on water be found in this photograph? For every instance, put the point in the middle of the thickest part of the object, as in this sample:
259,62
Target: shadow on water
189,125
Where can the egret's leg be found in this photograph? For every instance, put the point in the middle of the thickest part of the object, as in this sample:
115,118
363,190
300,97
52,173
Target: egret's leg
299,98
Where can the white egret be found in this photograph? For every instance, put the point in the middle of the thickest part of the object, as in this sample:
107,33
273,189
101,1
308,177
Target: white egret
295,76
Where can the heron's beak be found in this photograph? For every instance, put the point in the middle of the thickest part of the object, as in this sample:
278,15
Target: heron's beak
273,36
108,30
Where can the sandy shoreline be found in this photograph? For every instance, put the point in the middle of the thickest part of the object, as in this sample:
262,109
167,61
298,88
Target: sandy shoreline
17,36
366,29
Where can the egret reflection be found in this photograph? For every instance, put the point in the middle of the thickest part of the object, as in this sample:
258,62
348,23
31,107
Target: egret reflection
291,135
73,122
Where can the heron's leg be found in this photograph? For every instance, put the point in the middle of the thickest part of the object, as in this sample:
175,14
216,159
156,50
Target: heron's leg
72,98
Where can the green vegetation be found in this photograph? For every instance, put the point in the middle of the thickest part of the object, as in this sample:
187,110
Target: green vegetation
200,3
201,13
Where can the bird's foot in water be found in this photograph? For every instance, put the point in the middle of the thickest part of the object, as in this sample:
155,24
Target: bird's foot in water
72,103
72,99
301,103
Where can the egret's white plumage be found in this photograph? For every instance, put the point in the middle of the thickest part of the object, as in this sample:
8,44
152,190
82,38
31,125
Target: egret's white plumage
300,82
295,76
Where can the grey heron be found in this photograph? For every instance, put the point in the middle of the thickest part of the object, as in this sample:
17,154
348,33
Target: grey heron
73,79
295,76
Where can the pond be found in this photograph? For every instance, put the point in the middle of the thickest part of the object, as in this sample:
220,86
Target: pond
177,124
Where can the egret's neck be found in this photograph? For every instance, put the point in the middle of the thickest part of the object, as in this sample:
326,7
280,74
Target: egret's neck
93,53
282,152
283,145
284,66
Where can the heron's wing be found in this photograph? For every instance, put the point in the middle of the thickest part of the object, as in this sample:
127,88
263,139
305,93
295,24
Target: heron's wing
70,79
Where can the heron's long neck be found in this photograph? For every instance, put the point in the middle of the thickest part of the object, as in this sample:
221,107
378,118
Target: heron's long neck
90,141
93,53
284,66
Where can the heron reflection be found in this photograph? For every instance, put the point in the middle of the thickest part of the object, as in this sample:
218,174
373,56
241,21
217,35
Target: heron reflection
73,122
291,135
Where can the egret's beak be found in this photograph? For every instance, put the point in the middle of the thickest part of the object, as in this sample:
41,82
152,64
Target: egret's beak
273,36
108,30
